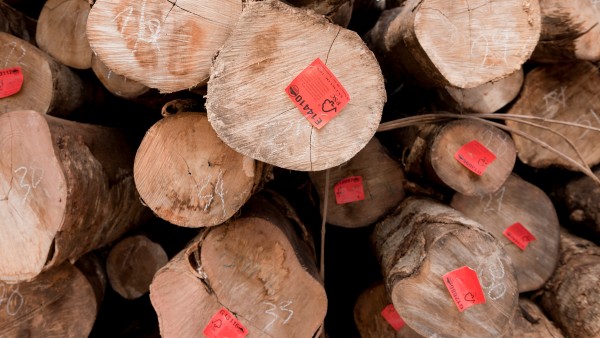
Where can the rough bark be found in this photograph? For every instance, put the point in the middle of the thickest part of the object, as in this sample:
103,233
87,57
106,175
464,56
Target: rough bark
431,149
571,297
382,180
48,86
530,322
132,263
92,265
421,241
61,32
565,92
67,188
487,98
16,23
338,11
368,318
461,44
205,182
256,266
570,31
159,43
250,110
59,303
519,201
581,200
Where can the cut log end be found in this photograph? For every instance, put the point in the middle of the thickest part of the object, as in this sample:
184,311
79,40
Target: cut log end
251,267
464,45
59,303
159,43
382,186
486,98
452,137
561,92
34,194
61,32
484,42
250,110
368,316
131,265
519,201
418,245
188,176
117,84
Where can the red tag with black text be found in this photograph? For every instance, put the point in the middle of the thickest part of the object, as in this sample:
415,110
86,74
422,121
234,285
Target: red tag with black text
475,157
464,287
392,317
224,325
519,235
317,94
349,189
11,80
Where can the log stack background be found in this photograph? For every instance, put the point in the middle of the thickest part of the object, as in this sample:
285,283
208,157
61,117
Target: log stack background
155,170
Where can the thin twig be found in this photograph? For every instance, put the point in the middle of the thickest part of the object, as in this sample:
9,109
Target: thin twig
439,117
323,227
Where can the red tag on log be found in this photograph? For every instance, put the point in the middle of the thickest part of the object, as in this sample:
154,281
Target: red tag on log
224,325
475,157
318,94
392,317
519,235
464,287
349,189
11,80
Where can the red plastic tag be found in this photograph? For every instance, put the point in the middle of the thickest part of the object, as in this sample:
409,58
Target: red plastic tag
318,94
519,235
11,80
475,157
392,317
349,189
224,325
464,287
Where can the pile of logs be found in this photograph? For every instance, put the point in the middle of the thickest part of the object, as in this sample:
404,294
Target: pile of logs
439,153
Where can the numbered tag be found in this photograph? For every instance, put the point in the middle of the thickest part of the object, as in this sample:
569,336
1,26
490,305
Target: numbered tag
11,81
519,235
224,324
392,317
317,94
475,157
464,287
349,190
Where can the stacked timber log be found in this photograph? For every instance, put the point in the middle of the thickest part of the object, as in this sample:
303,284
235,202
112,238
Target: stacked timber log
467,156
463,45
487,100
437,264
44,85
65,191
571,297
132,263
359,192
257,87
60,302
523,218
256,267
63,36
222,180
